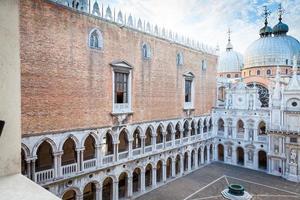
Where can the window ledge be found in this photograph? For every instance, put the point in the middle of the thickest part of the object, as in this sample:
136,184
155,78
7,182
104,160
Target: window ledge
16,187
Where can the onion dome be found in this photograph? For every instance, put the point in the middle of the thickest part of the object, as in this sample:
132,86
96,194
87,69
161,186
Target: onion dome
230,60
280,28
266,30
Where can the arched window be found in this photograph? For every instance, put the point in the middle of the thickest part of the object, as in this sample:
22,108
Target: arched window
159,135
146,51
236,75
258,72
95,39
44,157
148,139
220,125
268,72
90,148
169,133
221,93
123,141
136,139
262,128
179,59
240,126
228,75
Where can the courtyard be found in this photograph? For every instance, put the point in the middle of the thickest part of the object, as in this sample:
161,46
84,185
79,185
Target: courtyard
208,182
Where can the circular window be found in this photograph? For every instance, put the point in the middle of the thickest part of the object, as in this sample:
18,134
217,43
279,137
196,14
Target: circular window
294,104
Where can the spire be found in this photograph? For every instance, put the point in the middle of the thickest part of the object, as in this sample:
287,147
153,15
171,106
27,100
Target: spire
280,28
280,12
266,30
229,45
277,84
294,83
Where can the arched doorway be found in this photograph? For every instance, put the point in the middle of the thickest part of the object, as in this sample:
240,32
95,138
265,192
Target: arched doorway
123,180
69,155
90,150
136,143
199,156
169,168
159,168
262,128
240,156
185,128
186,161
177,165
136,180
107,189
89,192
123,145
148,139
108,144
220,152
205,154
193,159
148,175
177,133
69,195
44,157
262,160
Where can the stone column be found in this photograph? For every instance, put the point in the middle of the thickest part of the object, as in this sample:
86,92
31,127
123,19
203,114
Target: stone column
130,149
98,193
28,170
78,160
246,134
129,188
116,151
79,196
189,162
225,131
142,180
153,143
255,160
143,145
173,138
196,160
116,190
153,177
33,169
208,154
202,156
255,135
57,164
164,139
164,172
98,155
181,165
81,160
181,136
173,167
225,153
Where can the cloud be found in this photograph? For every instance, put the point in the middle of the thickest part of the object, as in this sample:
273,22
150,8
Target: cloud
208,20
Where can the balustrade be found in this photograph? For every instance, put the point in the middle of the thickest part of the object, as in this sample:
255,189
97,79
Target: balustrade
69,169
44,175
88,164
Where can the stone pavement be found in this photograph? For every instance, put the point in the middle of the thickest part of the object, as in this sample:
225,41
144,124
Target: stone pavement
209,181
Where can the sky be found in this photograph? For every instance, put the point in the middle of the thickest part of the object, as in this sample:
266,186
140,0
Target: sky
208,21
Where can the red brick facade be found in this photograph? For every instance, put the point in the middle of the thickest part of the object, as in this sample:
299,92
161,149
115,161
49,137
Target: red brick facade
66,85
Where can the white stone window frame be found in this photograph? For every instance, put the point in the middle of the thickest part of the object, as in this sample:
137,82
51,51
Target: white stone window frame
148,54
203,65
100,39
191,77
122,67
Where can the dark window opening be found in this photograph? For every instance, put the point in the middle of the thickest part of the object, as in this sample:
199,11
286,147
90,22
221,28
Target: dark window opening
188,91
121,87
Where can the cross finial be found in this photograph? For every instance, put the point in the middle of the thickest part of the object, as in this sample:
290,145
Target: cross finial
229,32
266,14
280,11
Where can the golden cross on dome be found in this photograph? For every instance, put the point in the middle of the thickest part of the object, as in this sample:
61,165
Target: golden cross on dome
266,14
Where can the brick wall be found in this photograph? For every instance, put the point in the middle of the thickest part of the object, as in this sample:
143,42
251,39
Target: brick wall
66,85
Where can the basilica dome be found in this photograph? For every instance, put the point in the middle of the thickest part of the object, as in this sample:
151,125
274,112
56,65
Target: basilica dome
271,50
230,60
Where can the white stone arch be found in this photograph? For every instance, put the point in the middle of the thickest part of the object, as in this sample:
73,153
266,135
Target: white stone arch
76,189
73,137
153,130
127,171
93,180
163,129
26,150
171,125
99,38
152,163
103,134
114,177
93,134
38,143
129,136
220,119
180,125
